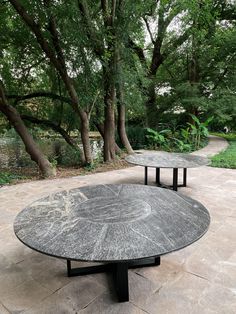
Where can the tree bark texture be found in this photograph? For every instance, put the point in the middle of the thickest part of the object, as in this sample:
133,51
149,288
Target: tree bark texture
31,148
84,131
121,119
121,129
109,124
100,128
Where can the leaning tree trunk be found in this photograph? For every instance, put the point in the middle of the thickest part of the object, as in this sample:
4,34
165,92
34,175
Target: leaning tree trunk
121,103
84,131
121,119
122,130
32,149
56,128
109,114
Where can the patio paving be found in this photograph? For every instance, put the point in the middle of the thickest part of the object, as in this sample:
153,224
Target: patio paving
198,279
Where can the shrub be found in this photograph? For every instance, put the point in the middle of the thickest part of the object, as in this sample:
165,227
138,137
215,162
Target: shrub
136,136
6,178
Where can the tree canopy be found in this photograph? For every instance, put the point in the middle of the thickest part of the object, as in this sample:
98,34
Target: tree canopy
81,65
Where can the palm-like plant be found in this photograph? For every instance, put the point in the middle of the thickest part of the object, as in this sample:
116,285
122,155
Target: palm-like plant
199,129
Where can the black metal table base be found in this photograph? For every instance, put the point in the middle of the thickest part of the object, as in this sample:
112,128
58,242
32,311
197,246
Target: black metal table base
175,179
119,270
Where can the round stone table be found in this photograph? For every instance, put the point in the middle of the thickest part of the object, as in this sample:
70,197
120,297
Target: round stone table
122,226
160,160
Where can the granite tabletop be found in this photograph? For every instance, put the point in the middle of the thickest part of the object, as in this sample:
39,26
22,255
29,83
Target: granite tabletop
111,223
167,160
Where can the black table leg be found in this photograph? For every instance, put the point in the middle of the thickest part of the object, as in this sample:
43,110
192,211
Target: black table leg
158,176
175,179
145,175
68,268
185,177
147,262
80,271
122,282
119,271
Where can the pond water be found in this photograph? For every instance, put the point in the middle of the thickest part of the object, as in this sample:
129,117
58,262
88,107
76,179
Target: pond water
13,154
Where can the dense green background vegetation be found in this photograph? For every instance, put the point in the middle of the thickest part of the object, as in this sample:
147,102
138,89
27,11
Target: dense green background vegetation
145,74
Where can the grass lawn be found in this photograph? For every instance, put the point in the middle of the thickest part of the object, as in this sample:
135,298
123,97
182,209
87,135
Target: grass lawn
227,158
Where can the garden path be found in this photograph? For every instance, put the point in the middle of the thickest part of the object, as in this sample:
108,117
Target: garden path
198,279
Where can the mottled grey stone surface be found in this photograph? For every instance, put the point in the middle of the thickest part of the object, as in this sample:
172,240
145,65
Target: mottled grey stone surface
111,223
167,160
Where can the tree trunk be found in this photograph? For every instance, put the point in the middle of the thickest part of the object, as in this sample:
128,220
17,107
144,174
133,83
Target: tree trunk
121,120
31,148
109,113
109,127
100,128
121,103
56,128
84,131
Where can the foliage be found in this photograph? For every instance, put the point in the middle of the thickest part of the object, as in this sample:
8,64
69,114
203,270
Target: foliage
168,140
64,155
156,139
199,130
97,161
193,71
227,158
227,136
180,139
6,178
137,136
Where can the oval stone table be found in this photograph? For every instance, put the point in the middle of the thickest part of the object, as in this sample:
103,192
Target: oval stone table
161,159
122,226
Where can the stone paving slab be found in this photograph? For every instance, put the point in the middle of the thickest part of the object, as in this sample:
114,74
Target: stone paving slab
198,279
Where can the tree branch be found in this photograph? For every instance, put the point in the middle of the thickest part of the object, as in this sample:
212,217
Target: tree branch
55,36
176,43
39,94
52,126
158,57
138,51
91,33
149,30
93,103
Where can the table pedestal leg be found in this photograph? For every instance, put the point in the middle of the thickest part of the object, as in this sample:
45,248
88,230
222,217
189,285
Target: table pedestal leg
121,281
175,179
158,182
185,177
145,175
119,270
